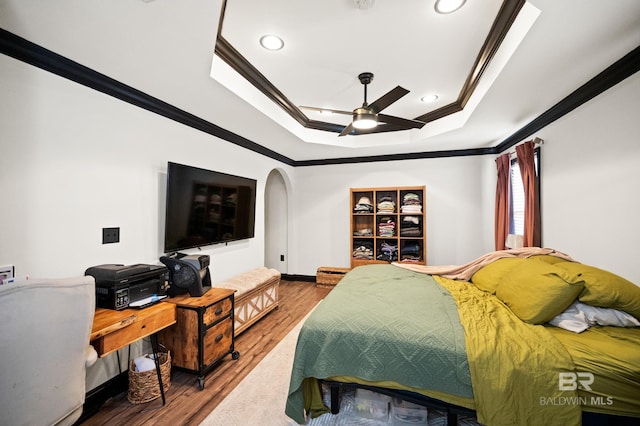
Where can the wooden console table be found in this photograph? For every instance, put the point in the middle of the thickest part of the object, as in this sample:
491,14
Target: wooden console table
113,330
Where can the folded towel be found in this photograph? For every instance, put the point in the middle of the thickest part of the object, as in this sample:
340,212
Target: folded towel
143,363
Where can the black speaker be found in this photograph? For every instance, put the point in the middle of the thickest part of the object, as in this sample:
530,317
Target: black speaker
188,273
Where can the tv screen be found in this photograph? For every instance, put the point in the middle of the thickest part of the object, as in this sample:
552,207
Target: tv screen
206,207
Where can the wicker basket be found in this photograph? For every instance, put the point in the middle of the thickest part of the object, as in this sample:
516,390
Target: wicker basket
143,385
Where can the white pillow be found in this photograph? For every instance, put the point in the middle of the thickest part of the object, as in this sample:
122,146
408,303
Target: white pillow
571,319
578,317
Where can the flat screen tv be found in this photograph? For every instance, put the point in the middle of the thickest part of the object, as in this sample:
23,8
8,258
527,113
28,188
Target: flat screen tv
206,207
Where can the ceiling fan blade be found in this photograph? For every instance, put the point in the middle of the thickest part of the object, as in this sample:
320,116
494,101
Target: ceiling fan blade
335,111
387,99
347,130
401,122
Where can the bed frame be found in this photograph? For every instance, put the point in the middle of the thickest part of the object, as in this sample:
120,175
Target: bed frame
452,411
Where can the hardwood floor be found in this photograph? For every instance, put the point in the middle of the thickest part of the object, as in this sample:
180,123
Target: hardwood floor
186,405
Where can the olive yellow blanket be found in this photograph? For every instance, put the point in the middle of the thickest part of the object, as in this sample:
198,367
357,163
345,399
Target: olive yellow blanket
515,366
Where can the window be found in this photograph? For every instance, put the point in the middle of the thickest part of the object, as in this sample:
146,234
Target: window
516,198
516,204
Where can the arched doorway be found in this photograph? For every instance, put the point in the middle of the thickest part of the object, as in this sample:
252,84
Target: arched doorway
276,221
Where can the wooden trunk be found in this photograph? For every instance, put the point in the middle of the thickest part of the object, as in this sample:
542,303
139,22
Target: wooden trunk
329,276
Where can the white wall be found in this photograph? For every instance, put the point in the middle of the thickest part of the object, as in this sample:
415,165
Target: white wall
75,161
591,181
590,194
457,218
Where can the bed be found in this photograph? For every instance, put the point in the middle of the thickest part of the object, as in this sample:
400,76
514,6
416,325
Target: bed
463,344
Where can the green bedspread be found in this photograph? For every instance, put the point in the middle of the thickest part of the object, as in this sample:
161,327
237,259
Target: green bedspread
414,336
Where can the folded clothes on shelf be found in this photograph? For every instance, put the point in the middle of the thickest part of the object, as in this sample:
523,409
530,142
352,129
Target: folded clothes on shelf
386,205
410,226
364,232
386,227
363,206
388,252
411,203
362,249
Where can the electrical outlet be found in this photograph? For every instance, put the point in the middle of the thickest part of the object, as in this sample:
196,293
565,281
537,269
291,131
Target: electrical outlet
110,235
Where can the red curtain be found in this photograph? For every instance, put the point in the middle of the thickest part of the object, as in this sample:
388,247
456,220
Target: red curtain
503,164
526,161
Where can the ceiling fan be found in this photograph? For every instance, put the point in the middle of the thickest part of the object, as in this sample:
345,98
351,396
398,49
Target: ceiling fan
367,119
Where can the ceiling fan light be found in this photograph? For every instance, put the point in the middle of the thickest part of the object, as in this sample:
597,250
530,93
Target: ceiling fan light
448,6
365,123
364,119
271,42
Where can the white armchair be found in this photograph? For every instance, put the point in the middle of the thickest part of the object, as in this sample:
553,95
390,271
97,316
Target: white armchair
45,327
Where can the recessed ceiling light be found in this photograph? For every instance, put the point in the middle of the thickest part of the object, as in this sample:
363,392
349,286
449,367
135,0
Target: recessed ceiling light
429,98
271,42
448,6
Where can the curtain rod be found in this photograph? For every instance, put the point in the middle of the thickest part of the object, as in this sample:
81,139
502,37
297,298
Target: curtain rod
536,141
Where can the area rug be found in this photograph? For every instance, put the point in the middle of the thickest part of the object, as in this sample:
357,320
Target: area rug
260,399
261,396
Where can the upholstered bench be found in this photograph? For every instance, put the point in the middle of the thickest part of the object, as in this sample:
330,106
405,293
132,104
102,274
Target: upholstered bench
256,295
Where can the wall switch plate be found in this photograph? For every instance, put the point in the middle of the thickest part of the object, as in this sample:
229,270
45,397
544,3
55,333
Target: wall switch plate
6,272
110,235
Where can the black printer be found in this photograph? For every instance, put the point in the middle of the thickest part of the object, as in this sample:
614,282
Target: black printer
118,285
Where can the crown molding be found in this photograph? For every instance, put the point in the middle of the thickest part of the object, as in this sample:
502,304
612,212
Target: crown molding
33,54
624,67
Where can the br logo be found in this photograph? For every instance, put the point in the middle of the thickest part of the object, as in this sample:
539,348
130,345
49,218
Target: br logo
569,381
